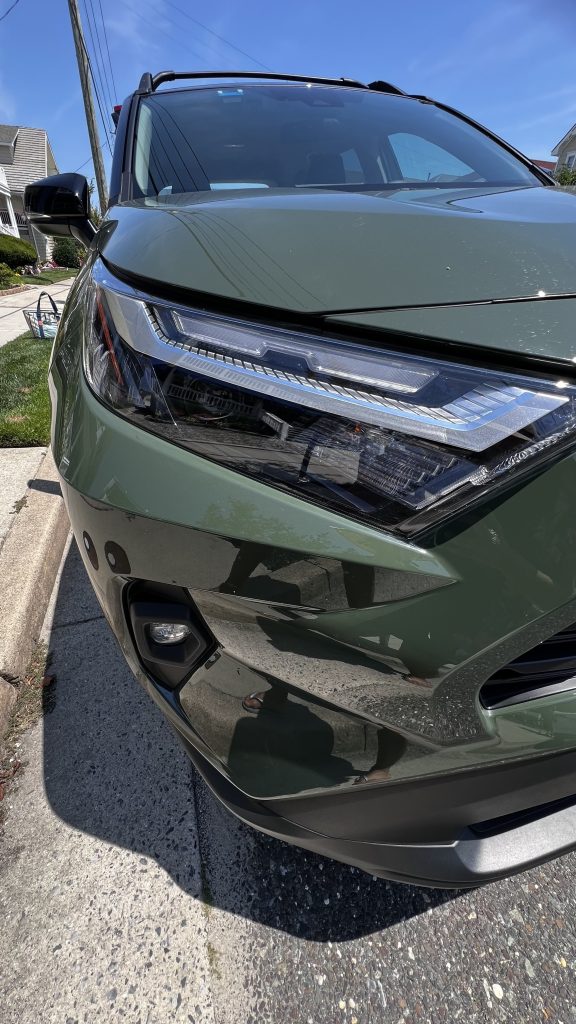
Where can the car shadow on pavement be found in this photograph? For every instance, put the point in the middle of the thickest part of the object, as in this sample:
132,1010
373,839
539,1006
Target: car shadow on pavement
114,769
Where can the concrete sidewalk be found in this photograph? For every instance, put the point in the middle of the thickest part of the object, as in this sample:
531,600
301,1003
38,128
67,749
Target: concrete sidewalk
18,467
12,322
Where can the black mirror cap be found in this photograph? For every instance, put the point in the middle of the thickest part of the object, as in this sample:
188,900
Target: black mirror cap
60,205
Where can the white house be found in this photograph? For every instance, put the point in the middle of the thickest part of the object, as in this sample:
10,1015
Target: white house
8,225
25,156
566,150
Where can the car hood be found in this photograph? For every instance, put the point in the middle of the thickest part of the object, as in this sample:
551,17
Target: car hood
327,252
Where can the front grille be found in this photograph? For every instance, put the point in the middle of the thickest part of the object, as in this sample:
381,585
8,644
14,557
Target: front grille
550,667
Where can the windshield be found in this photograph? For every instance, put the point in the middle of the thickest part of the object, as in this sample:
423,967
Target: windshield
301,136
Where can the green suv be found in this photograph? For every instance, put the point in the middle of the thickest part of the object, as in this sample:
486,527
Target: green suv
314,412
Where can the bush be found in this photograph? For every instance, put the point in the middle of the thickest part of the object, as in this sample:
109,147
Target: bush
14,252
7,276
68,253
566,175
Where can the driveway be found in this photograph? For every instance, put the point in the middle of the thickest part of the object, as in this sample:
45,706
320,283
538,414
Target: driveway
127,894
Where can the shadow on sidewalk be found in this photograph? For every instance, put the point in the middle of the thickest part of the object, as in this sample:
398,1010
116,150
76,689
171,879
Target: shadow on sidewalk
114,769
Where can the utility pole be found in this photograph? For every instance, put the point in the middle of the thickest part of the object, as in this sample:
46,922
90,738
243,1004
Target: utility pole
83,68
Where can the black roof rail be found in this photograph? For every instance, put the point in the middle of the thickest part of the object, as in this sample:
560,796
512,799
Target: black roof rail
146,83
386,87
149,83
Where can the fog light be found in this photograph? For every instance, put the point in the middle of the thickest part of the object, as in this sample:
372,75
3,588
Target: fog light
169,635
169,632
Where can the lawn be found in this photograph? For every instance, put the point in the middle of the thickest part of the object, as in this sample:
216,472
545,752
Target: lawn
24,399
48,276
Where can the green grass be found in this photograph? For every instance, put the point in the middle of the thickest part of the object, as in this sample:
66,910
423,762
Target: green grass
48,277
24,399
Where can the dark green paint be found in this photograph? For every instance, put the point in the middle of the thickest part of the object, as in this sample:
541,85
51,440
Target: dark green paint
411,664
317,250
511,584
545,328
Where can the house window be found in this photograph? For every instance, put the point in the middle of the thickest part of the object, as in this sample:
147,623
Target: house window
570,160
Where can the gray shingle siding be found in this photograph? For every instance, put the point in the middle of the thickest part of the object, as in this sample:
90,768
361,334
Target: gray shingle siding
26,155
30,157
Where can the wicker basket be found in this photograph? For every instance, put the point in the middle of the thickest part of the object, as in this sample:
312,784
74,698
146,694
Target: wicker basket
43,323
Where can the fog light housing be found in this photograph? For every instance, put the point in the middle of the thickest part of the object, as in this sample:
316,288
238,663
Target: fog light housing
169,633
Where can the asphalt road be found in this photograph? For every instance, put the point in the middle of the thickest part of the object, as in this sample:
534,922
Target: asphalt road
127,894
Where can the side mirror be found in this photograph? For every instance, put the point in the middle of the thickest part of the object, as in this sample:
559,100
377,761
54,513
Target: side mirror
60,205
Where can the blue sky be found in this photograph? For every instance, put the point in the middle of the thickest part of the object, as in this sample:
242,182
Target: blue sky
511,65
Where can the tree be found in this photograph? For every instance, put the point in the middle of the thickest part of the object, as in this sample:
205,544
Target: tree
95,213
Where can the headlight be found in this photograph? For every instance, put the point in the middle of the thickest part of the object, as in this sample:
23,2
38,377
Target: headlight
376,434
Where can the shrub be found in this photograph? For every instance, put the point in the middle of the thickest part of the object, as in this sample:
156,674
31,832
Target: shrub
14,252
566,175
68,253
7,276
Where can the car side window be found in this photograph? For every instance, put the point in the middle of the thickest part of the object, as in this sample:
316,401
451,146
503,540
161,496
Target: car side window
422,160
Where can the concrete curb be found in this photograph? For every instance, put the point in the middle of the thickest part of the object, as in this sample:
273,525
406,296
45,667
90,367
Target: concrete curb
29,561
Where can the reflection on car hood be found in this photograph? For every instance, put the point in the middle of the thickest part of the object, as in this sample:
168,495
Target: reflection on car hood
319,251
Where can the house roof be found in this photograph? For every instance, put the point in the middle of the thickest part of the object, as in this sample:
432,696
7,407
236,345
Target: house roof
565,139
33,157
546,165
8,133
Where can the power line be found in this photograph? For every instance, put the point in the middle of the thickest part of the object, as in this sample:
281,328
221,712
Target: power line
88,161
179,42
6,13
157,28
102,117
217,36
101,52
95,42
91,73
108,50
97,56
86,82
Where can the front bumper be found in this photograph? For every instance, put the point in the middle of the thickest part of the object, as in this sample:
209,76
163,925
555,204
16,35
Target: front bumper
492,849
378,752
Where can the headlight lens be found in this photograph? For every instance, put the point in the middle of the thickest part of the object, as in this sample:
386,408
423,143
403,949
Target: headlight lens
388,437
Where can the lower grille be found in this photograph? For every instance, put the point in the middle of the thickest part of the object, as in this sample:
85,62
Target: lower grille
550,667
